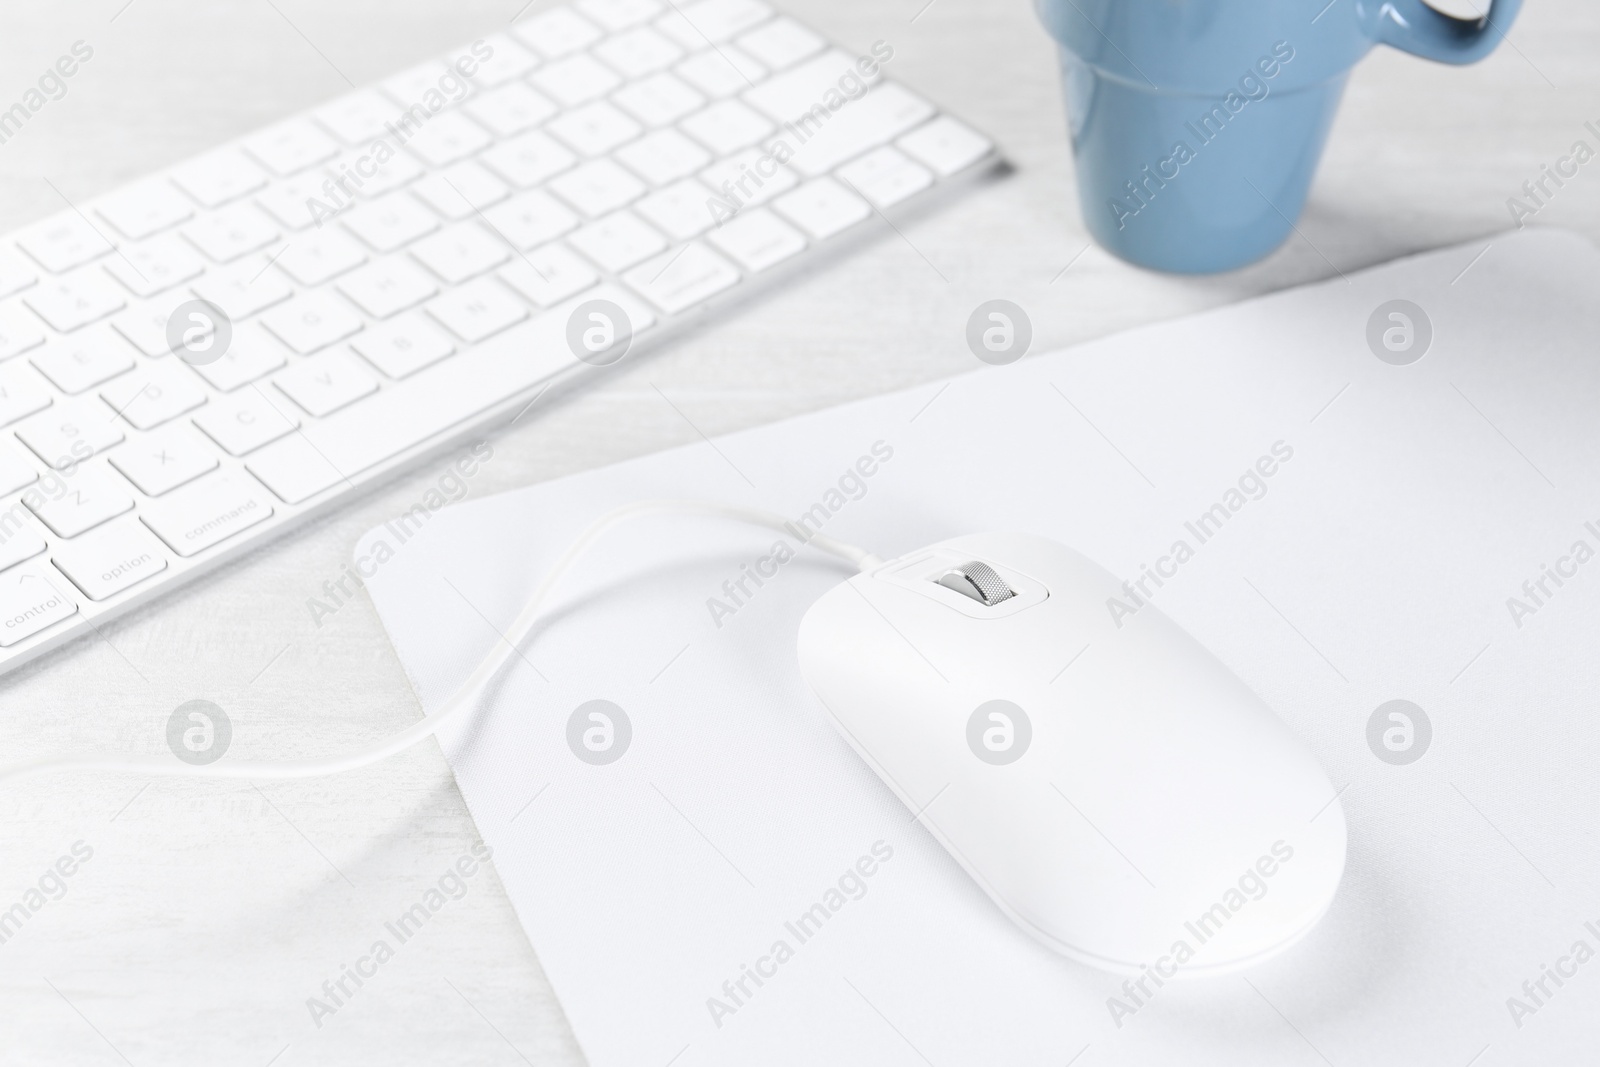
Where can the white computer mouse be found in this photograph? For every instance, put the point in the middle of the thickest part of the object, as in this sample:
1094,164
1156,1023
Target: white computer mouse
1112,786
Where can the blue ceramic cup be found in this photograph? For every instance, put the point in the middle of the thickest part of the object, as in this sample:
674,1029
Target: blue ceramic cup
1197,124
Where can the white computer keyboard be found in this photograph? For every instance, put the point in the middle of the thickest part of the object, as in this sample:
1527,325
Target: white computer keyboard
407,265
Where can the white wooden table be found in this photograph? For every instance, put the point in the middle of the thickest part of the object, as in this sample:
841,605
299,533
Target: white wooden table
209,913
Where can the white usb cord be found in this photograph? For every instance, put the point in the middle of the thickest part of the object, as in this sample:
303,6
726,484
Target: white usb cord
482,677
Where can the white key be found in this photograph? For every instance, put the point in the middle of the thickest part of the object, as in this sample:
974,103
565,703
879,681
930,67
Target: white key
822,207
528,159
390,285
144,209
353,440
253,354
219,177
246,420
945,145
576,80
726,127
549,275
207,512
679,209
15,275
154,394
290,147
620,14
15,473
618,241
404,346
813,84
69,432
461,191
390,223
477,310
781,43
159,462
530,219
510,109
750,177
674,281
638,52
358,118
75,300
597,188
659,100
78,364
244,288
25,542
325,383
721,72
234,231
757,239
111,559
29,604
93,495
556,33
62,242
594,129
663,157
358,174
311,321
864,124
19,331
448,138
885,177
145,324
509,62
429,86
290,202
156,265
22,392
464,250
313,258
714,20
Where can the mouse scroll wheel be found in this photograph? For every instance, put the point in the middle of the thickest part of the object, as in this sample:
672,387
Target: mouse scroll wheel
979,582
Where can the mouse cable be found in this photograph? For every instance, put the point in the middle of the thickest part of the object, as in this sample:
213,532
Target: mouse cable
482,677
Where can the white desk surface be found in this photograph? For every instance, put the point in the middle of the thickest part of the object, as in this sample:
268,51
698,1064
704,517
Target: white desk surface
210,912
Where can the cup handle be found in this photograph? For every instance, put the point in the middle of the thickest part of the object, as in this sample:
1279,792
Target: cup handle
1413,26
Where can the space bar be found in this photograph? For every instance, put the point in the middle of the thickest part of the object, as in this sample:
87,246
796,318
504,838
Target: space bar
335,449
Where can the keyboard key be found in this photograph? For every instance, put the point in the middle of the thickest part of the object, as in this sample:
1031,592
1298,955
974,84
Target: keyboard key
311,321
681,210
390,285
359,173
325,383
93,495
638,52
556,33
15,275
509,62
576,80
290,147
448,138
620,14
462,251
426,87
207,512
75,300
62,242
111,559
246,287
156,265
822,207
76,365
875,119
19,331
15,473
246,420
358,118
757,239
313,258
219,177
145,324
714,20
659,100
390,223
154,394
885,177
530,219
510,109
549,275
945,145
726,127
597,188
750,177
663,157
528,159
70,432
781,43
144,209
594,129
618,241
159,462
404,346
227,234
24,542
461,191
791,96
477,310
721,71
22,392
290,202
29,604
674,281
253,354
